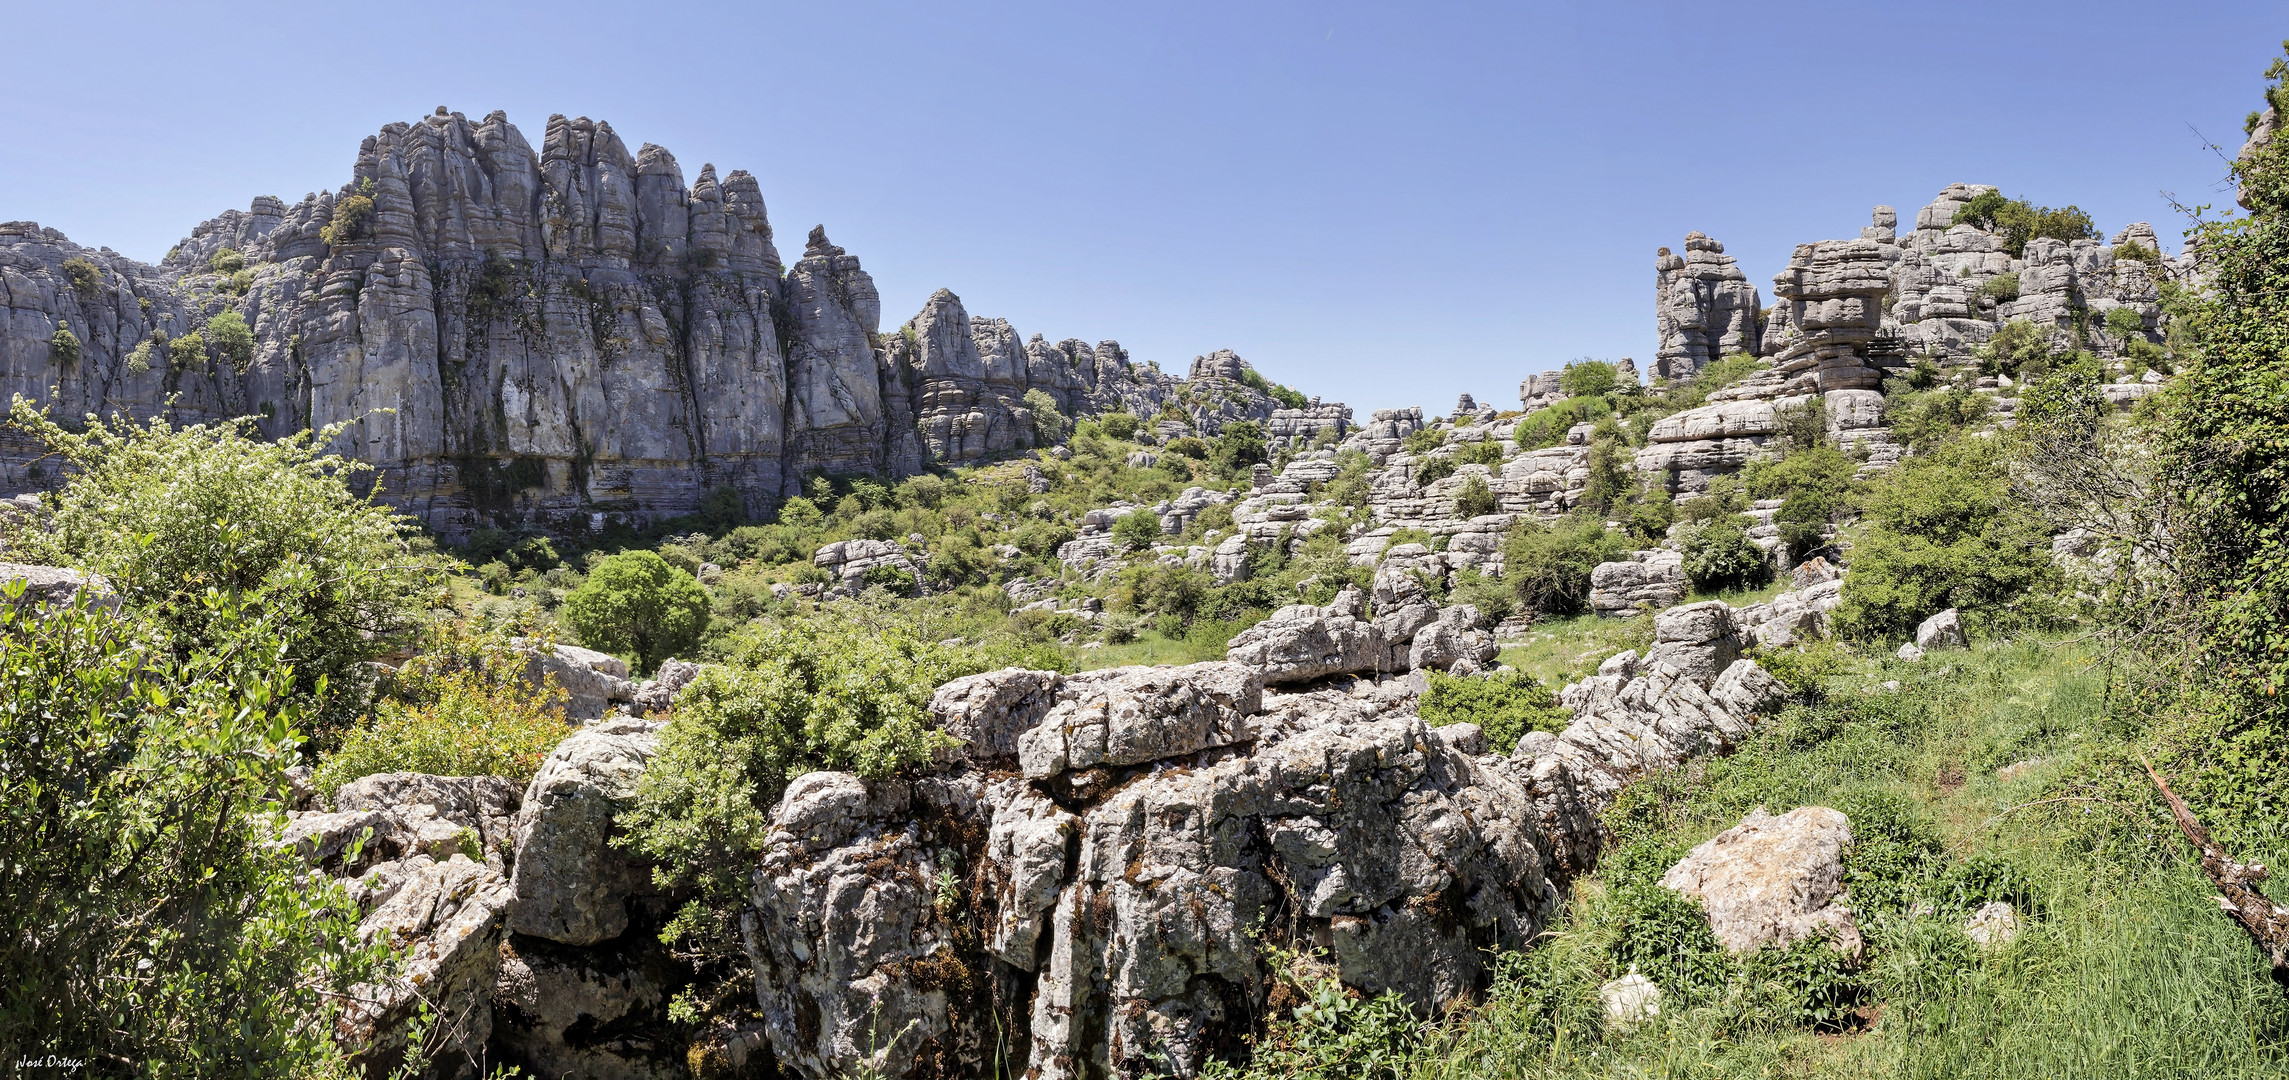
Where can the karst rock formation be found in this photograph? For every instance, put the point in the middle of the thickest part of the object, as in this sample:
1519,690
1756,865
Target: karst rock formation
549,338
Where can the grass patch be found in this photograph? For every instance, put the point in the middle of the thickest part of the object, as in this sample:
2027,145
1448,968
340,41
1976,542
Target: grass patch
1560,651
1150,648
2124,967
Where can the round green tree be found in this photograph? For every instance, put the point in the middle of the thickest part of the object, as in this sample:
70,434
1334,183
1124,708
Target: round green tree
634,602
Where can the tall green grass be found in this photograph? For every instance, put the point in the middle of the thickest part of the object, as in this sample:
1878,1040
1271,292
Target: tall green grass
2124,968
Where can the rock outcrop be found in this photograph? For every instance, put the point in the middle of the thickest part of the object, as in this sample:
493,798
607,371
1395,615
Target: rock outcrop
1704,308
548,337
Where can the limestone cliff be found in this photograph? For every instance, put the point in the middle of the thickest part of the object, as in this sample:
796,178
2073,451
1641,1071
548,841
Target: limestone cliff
542,338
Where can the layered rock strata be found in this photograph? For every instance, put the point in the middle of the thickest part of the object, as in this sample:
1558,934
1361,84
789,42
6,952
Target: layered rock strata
550,337
1704,308
1084,887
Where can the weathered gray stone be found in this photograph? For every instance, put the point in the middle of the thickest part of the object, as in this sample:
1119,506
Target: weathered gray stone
1132,715
1941,631
1300,642
570,883
1773,880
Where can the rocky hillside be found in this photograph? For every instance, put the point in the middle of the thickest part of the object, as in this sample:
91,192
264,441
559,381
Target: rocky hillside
551,337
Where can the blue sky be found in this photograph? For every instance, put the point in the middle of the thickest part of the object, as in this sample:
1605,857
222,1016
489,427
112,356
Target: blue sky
1383,204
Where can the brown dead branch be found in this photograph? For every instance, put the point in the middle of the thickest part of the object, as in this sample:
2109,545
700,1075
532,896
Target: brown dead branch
2266,921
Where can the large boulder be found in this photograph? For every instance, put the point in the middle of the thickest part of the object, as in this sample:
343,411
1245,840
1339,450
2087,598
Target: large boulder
446,918
1299,643
1453,638
989,711
1699,640
571,884
1773,880
592,681
1128,716
1648,579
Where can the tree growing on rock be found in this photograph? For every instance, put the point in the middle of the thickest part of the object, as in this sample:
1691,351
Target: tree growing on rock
194,525
636,603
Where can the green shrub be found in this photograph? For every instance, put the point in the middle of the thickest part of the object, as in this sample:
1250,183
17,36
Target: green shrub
2124,322
63,345
1424,441
1120,424
635,603
2134,251
1485,452
1504,704
1720,556
924,492
2002,288
231,338
1813,484
2018,221
1492,596
1475,498
139,357
1239,447
801,513
1548,427
187,351
461,708
1588,378
2149,355
86,278
1333,1033
2019,349
167,514
1548,565
1049,423
351,216
1287,398
227,261
1137,530
1941,530
897,579
791,698
1433,470
1922,421
143,885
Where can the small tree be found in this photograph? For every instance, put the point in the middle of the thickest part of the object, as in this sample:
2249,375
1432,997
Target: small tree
1588,378
63,345
1137,530
1719,555
1548,566
1475,498
1239,447
166,514
229,335
636,603
1049,423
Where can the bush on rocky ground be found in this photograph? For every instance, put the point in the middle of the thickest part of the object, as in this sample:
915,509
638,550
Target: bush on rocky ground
459,708
148,920
196,526
1504,704
1719,556
1548,565
1941,531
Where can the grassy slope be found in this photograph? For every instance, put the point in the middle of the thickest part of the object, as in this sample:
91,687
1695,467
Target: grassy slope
2127,969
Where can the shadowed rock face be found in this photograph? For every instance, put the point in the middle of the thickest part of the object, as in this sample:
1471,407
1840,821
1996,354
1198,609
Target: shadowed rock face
522,336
